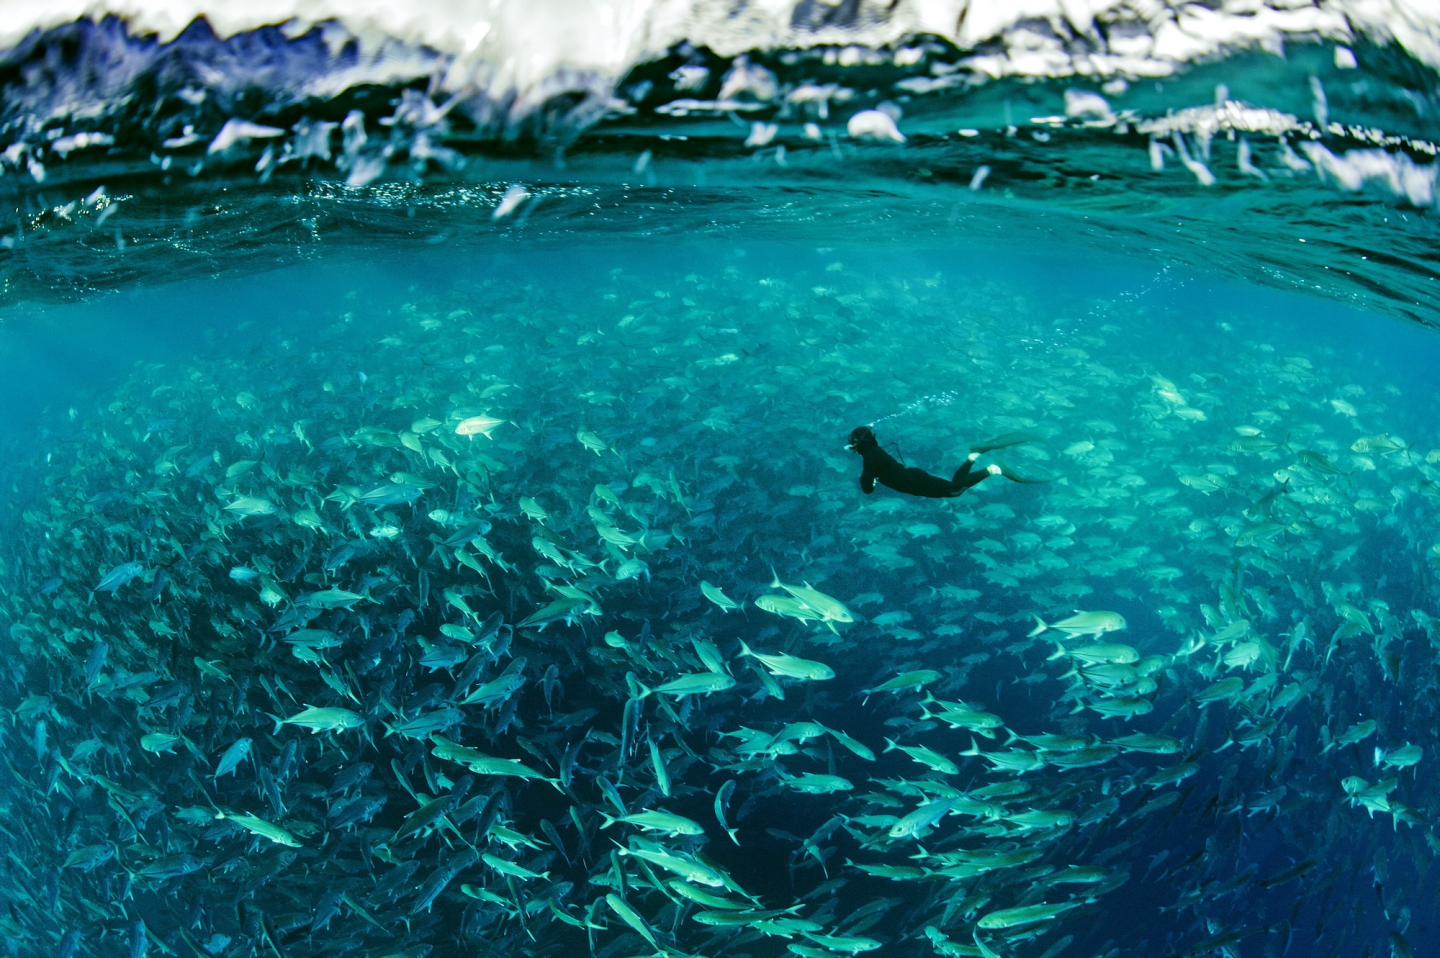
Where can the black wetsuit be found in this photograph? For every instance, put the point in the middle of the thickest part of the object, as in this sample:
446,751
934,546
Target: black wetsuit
890,472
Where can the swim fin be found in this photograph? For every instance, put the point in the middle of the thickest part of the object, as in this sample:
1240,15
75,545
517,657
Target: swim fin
1014,476
1004,441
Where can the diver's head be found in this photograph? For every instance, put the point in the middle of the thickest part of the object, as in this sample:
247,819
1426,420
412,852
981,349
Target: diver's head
862,438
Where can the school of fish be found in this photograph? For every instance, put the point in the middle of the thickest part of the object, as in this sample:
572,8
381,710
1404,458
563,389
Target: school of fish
535,620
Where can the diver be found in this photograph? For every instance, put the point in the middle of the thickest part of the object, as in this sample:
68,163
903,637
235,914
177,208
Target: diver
890,472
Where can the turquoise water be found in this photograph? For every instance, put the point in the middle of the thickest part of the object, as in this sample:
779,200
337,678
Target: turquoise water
278,444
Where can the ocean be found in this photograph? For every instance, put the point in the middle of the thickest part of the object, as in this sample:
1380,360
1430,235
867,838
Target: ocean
434,521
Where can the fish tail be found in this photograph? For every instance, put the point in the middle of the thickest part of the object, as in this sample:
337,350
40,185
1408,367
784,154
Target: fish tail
1040,626
1058,654
985,950
638,690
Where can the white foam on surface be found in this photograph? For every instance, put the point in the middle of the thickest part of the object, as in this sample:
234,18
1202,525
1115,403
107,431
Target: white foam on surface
1395,172
503,62
525,45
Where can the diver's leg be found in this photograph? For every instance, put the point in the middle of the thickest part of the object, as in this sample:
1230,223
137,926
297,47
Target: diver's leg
965,467
965,479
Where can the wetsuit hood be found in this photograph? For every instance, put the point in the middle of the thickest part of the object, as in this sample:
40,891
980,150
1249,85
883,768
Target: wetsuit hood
862,438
